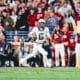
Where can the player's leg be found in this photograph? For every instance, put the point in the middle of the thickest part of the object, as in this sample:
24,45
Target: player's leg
50,61
29,56
44,54
62,53
19,57
57,54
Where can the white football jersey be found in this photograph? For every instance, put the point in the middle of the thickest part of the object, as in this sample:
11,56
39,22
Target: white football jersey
40,34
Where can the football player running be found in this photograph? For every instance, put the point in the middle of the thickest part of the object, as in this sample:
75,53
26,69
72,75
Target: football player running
41,32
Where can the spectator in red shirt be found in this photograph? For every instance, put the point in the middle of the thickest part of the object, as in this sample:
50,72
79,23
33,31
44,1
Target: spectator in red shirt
43,4
66,34
31,18
77,18
39,14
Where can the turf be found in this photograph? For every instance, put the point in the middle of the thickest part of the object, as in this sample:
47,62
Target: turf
39,74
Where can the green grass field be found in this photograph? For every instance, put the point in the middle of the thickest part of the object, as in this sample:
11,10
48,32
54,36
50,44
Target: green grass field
39,74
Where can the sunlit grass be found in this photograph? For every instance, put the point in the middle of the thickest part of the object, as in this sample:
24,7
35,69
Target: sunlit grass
39,74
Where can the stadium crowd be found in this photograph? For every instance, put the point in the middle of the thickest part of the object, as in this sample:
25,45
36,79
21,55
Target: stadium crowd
59,18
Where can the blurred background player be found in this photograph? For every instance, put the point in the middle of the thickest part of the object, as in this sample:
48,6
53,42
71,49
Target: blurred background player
58,46
22,51
71,52
65,40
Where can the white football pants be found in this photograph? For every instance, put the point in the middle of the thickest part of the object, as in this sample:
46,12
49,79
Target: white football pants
36,50
59,49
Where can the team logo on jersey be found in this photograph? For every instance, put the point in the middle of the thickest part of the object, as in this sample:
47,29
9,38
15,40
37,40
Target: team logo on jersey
41,36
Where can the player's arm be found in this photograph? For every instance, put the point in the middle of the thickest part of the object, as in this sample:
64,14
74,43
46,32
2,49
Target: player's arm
32,34
28,43
48,35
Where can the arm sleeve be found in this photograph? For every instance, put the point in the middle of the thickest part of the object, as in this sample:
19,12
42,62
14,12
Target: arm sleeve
33,31
47,32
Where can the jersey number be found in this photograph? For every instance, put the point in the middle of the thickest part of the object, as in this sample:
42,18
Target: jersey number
41,36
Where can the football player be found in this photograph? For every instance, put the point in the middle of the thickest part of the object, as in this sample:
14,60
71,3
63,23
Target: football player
58,46
41,32
65,40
